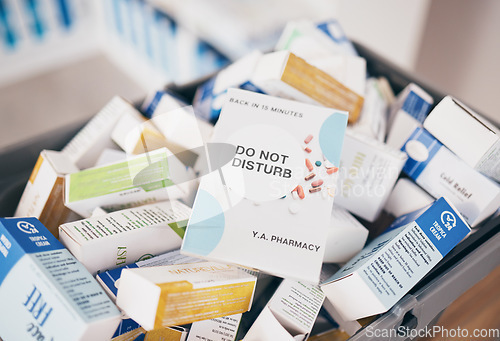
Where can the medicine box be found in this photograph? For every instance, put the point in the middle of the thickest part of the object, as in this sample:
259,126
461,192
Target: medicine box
412,100
109,155
46,293
350,71
407,113
346,326
135,134
318,48
368,171
110,279
138,180
373,119
467,134
287,175
387,268
441,173
346,236
124,237
178,294
285,75
406,197
210,95
161,101
215,329
315,40
185,134
43,197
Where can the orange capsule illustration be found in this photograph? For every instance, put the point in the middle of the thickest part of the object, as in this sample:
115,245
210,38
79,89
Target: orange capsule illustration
309,165
300,192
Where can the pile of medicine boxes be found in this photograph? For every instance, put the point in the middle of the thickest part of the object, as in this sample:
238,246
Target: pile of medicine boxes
101,260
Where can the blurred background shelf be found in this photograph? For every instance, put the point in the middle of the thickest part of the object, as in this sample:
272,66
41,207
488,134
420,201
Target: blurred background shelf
59,71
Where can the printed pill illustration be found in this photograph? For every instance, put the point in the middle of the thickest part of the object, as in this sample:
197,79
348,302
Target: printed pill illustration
309,165
308,139
332,170
307,149
318,163
317,183
314,190
310,176
300,192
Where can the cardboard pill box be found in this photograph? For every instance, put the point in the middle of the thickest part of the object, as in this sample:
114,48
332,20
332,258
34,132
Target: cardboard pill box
45,292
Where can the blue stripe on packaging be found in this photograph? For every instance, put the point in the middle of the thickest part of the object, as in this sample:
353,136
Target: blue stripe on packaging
20,236
443,226
416,106
414,168
9,36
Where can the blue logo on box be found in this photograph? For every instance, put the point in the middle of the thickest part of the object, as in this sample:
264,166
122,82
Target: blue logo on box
448,219
30,234
26,227
443,226
19,236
